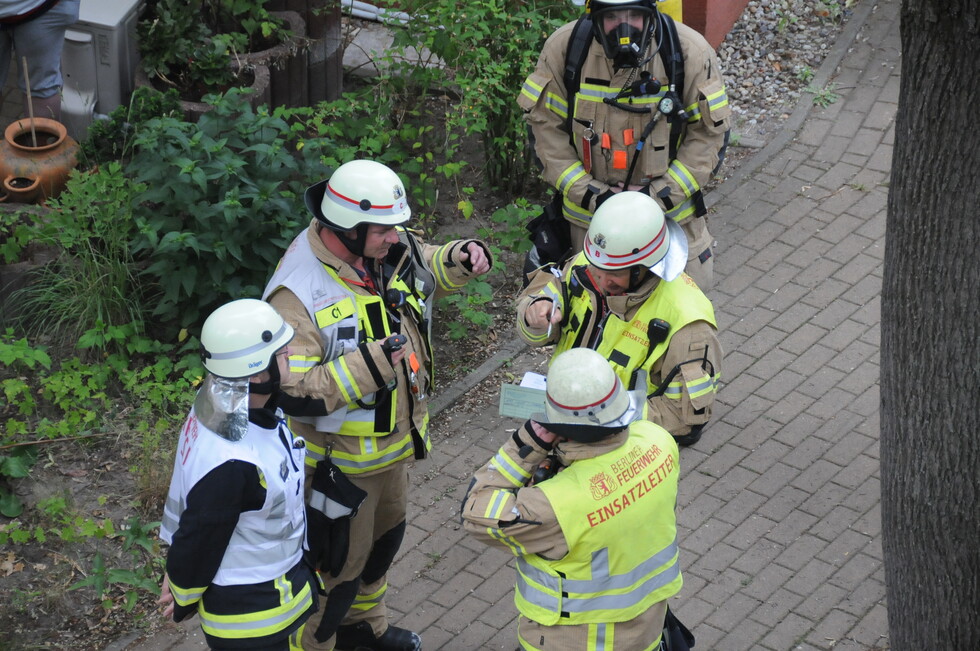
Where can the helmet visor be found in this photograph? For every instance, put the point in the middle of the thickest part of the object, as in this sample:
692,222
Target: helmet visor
222,406
672,264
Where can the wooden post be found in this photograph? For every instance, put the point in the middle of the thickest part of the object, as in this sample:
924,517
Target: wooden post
325,72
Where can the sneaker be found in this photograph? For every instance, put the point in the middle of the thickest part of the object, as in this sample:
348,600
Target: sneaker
360,637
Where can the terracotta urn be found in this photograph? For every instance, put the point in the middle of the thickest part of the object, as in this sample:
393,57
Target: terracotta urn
35,163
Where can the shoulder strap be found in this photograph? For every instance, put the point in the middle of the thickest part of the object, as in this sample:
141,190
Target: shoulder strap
578,49
673,59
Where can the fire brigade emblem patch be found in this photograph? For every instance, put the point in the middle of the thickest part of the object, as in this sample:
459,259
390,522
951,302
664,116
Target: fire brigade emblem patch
397,192
283,470
601,485
599,240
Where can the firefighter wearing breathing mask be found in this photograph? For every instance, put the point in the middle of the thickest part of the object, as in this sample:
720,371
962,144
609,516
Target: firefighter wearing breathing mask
596,541
234,516
643,107
626,296
359,288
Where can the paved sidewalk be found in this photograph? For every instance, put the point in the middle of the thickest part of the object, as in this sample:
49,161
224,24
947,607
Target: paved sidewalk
779,511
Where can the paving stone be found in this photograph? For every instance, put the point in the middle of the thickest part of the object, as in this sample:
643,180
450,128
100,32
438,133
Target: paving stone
774,609
788,633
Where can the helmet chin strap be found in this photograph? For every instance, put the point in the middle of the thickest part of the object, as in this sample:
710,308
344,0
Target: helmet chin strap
270,387
356,244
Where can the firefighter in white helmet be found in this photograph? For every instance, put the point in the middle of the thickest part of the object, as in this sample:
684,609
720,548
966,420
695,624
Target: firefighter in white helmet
584,496
626,98
626,296
235,516
359,290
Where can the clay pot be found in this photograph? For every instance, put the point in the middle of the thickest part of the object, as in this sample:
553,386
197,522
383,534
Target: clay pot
40,170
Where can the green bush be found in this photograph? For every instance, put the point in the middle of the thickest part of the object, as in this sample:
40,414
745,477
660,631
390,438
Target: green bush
223,200
112,139
488,47
94,282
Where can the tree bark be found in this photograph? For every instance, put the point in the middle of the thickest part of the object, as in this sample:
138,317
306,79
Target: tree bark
930,345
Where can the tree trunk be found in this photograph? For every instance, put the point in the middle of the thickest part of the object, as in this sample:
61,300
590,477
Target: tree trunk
930,341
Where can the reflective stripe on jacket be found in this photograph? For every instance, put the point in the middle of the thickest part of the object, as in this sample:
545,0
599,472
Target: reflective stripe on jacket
626,344
607,136
605,505
346,319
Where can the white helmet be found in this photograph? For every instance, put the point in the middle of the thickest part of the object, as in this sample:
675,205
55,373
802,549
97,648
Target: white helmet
240,338
359,192
585,399
630,229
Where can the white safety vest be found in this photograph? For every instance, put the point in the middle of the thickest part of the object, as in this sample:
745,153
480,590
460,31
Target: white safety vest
268,542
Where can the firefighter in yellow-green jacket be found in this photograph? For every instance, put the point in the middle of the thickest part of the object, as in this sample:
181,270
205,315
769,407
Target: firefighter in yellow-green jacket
359,290
626,297
643,107
596,543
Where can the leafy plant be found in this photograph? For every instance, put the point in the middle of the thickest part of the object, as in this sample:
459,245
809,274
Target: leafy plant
486,49
222,202
468,304
804,74
95,280
14,465
824,97
112,139
140,576
192,46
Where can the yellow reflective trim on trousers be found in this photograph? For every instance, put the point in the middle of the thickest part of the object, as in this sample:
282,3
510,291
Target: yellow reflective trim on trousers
599,637
344,380
365,602
186,596
257,624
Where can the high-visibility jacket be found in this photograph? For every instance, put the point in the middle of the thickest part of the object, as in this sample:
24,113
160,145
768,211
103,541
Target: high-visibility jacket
616,512
622,335
375,418
262,587
596,155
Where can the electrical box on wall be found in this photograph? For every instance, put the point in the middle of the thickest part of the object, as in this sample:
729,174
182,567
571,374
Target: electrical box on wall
99,61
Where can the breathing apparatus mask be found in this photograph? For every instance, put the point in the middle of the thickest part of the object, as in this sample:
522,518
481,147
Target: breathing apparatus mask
624,30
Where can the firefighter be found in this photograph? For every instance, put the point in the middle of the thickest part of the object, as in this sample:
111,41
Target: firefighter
626,296
638,70
596,541
359,290
235,516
